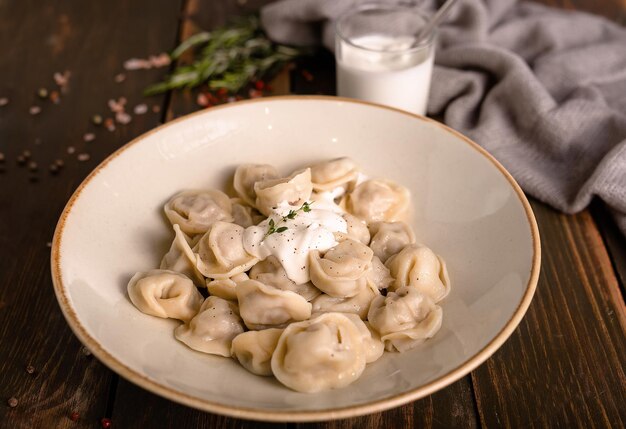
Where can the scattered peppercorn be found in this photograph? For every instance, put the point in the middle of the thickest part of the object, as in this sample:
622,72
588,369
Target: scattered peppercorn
156,108
83,157
88,137
4,101
119,78
32,166
34,110
12,402
97,119
74,416
2,158
42,93
30,369
71,149
106,423
59,163
54,169
21,160
55,97
85,351
27,154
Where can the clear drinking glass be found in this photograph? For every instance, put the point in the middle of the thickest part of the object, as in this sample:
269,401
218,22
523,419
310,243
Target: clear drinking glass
377,59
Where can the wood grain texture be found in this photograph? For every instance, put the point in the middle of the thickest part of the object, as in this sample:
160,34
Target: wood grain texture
564,366
91,40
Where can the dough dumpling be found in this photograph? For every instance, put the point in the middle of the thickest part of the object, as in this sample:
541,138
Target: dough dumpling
254,349
404,318
195,211
359,304
379,276
419,267
164,293
244,215
262,306
379,200
389,238
220,253
212,330
357,230
181,258
342,271
295,190
323,353
247,175
271,272
372,343
328,175
225,288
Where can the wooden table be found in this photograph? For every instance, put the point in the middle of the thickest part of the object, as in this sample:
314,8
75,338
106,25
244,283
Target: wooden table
563,366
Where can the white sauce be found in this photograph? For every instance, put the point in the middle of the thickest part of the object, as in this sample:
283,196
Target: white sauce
394,77
308,231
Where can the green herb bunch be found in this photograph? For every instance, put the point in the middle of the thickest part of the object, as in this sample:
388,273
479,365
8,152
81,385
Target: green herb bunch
228,58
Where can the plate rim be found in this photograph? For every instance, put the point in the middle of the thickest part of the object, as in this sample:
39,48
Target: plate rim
283,415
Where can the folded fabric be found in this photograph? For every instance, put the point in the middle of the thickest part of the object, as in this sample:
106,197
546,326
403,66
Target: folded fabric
542,89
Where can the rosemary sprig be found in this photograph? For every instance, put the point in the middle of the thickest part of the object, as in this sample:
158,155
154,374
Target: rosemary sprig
230,57
271,228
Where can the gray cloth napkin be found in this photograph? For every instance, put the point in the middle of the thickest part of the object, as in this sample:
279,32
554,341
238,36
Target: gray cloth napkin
543,90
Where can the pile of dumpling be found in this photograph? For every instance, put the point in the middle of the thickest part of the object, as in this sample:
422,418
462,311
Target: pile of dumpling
375,289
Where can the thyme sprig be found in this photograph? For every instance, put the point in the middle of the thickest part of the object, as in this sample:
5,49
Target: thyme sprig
228,58
272,226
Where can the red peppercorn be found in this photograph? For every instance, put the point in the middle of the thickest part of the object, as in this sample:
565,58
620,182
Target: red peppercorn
222,92
105,423
259,84
74,416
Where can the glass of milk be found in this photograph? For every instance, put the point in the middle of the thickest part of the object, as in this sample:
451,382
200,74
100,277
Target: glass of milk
378,60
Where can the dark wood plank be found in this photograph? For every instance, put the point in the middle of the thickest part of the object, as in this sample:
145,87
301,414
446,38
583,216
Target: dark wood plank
564,366
91,39
613,240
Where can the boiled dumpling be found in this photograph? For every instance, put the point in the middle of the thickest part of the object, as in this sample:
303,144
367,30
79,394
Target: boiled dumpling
247,175
212,330
357,230
226,288
380,275
421,268
244,215
404,318
271,272
195,211
372,344
389,238
220,253
328,175
181,258
342,271
262,306
295,190
164,293
379,200
323,353
359,304
254,349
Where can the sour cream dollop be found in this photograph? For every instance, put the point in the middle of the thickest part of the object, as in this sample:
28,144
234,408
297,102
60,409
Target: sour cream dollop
312,230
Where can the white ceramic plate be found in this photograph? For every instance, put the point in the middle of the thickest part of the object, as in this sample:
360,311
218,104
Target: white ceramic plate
466,208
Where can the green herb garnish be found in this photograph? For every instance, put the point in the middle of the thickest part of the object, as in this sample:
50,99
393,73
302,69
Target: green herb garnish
271,229
227,58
